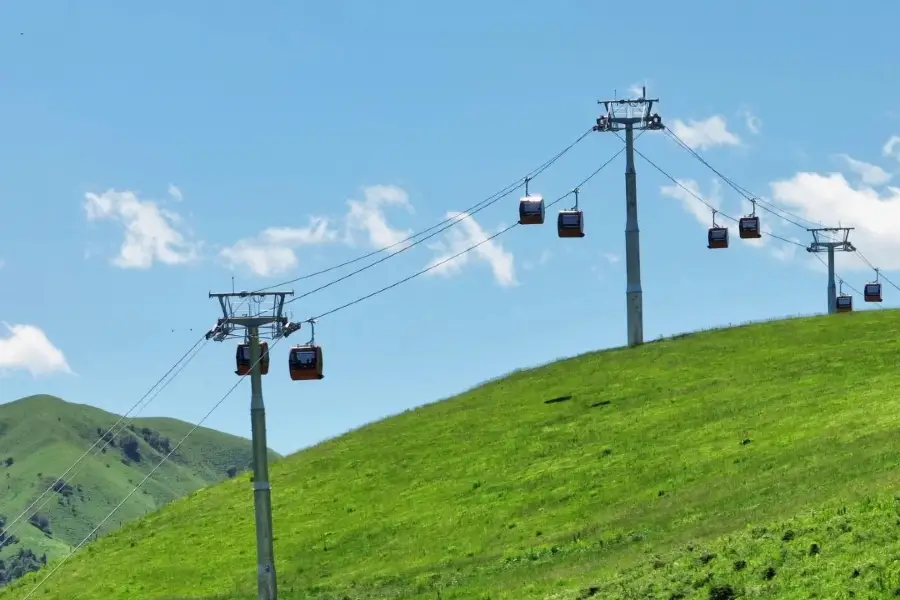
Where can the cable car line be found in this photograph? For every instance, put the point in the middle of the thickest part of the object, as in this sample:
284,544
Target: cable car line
506,191
753,198
396,252
708,205
768,233
146,400
111,437
141,483
871,291
348,275
458,254
305,362
201,343
878,271
764,204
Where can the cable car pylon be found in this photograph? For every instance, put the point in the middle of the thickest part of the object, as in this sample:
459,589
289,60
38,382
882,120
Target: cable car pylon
629,115
830,245
253,358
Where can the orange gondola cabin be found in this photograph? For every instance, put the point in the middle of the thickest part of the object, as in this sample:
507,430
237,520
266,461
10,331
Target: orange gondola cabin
570,223
844,303
872,292
531,210
717,238
305,362
244,364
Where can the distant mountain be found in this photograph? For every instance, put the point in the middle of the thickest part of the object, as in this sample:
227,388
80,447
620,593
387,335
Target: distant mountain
42,436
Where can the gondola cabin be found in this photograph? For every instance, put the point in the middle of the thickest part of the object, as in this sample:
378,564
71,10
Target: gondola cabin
844,303
748,228
305,362
570,224
718,238
244,364
872,292
531,210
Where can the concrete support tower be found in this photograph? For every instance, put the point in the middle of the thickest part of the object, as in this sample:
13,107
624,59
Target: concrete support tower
630,115
829,239
269,323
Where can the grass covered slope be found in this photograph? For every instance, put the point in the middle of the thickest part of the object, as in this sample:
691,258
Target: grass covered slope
836,551
557,482
42,436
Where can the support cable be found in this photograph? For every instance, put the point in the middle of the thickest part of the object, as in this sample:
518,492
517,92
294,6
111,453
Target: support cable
771,208
764,204
708,205
770,234
458,254
109,436
877,270
162,381
148,476
449,222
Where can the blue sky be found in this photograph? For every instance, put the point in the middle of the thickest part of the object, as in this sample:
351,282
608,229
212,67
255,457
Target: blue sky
215,140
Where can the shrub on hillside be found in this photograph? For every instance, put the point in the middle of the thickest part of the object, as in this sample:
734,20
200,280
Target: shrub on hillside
107,437
154,439
5,538
41,521
131,447
23,562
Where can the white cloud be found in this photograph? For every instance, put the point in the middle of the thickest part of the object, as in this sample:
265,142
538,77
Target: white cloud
27,348
692,205
785,252
175,192
831,199
2,263
151,233
368,215
891,147
612,258
466,233
868,173
751,122
708,133
273,251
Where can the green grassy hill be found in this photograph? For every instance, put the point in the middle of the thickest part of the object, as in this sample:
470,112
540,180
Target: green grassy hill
761,458
40,438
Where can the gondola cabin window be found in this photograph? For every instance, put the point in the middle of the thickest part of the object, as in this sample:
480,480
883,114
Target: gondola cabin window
571,220
305,358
